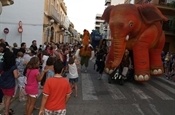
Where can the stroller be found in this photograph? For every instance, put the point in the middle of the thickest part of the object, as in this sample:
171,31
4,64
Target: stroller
117,75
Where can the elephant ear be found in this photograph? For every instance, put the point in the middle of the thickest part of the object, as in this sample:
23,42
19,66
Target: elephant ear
106,13
150,13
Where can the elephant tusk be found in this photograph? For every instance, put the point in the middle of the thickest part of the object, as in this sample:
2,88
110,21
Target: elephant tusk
127,38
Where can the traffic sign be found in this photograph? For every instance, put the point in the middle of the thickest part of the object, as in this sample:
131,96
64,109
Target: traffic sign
6,30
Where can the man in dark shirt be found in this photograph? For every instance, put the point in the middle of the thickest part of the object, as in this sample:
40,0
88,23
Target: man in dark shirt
34,47
23,48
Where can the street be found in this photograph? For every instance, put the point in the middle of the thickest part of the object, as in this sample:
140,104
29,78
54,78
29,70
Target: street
98,97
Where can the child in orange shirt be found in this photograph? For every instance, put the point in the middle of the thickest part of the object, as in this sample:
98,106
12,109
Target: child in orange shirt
58,89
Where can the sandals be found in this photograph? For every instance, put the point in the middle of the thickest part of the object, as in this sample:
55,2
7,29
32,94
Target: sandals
11,112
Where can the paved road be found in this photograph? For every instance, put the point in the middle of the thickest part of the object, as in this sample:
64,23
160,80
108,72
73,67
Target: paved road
97,97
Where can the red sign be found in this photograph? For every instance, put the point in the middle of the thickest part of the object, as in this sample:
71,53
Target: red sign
20,30
6,30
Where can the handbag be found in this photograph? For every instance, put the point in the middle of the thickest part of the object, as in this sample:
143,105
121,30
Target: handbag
125,71
7,79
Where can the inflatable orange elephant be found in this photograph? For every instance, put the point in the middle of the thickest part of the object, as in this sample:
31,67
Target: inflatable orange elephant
137,28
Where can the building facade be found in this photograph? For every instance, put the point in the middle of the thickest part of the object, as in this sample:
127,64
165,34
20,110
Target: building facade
41,20
20,14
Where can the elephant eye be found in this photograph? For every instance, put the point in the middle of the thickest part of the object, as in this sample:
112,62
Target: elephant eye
131,24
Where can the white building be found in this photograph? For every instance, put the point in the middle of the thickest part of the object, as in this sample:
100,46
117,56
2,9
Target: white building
98,21
30,13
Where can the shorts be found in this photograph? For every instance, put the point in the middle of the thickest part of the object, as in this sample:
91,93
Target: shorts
9,92
55,112
34,96
73,80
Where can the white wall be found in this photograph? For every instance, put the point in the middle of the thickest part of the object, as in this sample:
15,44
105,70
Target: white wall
115,2
31,13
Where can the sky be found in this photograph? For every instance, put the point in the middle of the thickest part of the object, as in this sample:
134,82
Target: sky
82,13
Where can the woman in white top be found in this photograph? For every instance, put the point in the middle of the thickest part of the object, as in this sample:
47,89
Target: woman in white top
73,74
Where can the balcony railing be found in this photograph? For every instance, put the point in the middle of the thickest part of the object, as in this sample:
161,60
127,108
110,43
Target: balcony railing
164,3
7,2
64,24
169,27
54,14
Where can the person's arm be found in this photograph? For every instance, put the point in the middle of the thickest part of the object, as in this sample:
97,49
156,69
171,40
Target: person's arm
43,102
67,97
41,75
92,55
16,73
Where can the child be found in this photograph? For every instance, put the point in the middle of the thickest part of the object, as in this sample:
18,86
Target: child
33,77
77,62
56,93
73,74
20,63
49,66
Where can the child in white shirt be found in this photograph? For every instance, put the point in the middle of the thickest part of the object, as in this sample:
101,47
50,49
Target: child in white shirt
73,74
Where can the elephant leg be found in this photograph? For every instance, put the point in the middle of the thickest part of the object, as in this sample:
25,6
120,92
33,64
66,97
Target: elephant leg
156,63
141,61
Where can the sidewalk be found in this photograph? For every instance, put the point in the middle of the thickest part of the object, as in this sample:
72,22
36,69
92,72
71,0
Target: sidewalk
2,106
15,100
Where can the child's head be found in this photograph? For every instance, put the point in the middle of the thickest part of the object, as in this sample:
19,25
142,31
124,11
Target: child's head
58,67
50,61
71,60
20,54
33,63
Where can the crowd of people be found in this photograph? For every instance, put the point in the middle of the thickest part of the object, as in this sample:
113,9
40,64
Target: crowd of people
54,68
24,70
168,60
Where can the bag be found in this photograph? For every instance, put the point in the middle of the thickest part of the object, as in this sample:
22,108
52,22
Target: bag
125,71
7,79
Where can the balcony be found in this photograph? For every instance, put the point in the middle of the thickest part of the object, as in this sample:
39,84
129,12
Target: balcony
165,7
52,12
63,7
169,27
64,24
107,2
7,2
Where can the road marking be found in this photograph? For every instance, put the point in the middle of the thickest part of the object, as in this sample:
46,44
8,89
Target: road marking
158,92
153,108
170,89
137,91
88,90
114,91
138,108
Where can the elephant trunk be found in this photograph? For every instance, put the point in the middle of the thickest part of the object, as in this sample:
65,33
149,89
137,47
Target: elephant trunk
118,48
